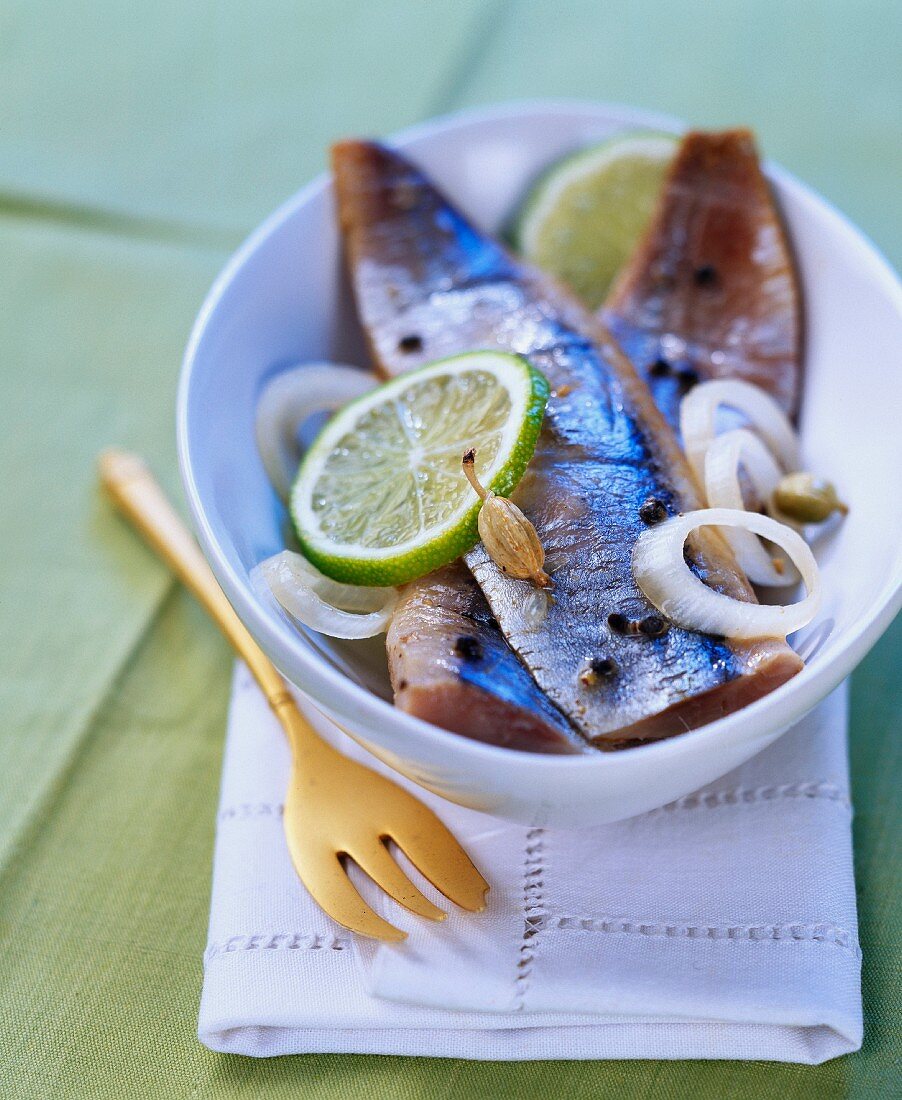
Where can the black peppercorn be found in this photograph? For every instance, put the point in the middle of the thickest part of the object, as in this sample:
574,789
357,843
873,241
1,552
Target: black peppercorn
653,511
706,275
687,375
410,343
653,626
620,624
597,669
468,647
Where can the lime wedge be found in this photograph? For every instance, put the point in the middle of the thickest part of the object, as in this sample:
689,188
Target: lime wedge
585,215
380,497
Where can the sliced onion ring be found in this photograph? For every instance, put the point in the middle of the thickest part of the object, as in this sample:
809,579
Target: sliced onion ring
667,581
289,400
698,421
339,610
723,490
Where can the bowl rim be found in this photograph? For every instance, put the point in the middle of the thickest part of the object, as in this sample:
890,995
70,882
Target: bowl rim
326,685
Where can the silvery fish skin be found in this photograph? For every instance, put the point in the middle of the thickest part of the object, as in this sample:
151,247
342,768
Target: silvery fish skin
429,284
711,291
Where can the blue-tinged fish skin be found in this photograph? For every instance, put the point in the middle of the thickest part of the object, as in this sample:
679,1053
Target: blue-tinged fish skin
452,666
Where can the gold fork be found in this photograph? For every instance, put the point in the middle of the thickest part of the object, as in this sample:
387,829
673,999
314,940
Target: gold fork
335,808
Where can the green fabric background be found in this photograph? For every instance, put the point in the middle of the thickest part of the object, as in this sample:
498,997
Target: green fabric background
138,144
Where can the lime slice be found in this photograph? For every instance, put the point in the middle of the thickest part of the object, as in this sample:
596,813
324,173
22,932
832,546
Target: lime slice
585,215
380,497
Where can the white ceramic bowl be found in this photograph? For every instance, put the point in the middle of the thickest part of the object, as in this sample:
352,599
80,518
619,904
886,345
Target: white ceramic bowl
282,298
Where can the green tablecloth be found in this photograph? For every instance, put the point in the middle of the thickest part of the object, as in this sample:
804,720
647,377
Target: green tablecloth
138,144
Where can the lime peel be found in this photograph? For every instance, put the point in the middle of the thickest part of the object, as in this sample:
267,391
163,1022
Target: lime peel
585,214
380,498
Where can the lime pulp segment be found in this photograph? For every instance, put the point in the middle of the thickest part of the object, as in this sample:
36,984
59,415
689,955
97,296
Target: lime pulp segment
380,497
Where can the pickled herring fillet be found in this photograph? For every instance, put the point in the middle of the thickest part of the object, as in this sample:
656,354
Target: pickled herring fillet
711,290
448,661
451,666
429,284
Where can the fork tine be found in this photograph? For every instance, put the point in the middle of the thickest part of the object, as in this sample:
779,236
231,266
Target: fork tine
376,860
434,851
329,886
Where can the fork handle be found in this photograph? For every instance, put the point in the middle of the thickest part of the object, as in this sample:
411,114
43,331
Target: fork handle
138,495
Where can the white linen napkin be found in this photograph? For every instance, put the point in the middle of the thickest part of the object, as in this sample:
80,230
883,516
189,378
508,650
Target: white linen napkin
721,926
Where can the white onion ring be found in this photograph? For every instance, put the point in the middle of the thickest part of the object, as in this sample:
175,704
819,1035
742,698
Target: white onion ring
339,610
698,413
289,400
667,581
722,489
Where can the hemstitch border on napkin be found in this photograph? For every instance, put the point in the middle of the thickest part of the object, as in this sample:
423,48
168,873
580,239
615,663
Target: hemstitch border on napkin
820,932
534,915
269,941
746,796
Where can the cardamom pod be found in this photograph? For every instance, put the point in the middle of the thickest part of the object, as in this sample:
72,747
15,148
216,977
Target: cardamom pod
508,536
806,499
